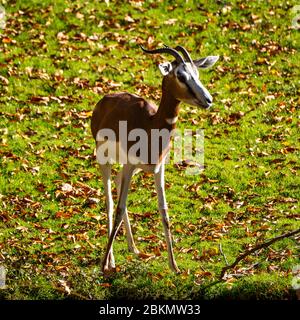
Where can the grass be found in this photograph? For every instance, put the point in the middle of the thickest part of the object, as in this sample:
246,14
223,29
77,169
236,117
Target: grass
59,59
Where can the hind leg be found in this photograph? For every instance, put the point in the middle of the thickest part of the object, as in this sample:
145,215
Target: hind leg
130,241
106,176
120,212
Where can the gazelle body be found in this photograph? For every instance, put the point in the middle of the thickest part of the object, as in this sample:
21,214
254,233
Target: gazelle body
180,83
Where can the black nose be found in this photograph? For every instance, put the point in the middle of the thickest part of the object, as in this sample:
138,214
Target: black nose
208,100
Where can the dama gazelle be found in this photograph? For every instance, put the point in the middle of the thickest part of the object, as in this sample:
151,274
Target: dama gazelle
180,83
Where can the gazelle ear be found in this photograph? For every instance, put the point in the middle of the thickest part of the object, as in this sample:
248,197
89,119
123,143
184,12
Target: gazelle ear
165,68
206,62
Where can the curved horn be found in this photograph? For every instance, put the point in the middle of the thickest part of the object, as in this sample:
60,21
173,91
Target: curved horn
168,50
185,53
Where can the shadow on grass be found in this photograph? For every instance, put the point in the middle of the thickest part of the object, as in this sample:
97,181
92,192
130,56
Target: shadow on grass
136,282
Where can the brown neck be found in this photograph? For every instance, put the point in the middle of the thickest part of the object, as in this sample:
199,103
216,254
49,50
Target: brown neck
168,108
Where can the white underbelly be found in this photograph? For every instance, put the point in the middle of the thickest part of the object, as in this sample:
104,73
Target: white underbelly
110,152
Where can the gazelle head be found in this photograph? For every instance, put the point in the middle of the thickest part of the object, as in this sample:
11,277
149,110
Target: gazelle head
182,76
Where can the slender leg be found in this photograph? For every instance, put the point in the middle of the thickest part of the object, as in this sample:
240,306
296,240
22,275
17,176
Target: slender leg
120,212
131,245
163,209
106,175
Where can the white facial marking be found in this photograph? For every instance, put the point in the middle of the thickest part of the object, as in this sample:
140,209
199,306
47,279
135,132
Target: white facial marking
172,120
188,76
165,68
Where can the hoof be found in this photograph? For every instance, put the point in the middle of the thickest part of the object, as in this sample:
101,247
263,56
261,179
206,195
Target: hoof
175,269
134,250
108,271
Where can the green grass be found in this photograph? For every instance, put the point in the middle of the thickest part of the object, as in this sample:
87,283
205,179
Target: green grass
60,58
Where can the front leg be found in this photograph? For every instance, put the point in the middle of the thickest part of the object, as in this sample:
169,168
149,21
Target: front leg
163,210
